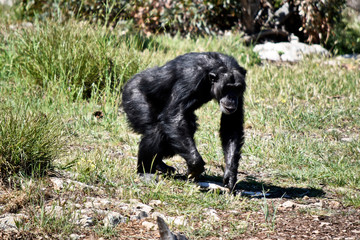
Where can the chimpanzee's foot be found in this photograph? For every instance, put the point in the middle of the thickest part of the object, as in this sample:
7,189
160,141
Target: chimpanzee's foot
194,171
164,168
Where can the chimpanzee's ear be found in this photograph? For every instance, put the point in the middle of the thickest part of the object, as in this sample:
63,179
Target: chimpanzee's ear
213,77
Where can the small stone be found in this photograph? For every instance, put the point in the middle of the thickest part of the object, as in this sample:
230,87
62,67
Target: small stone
306,197
58,183
113,219
74,236
149,225
334,204
319,204
346,139
155,203
288,204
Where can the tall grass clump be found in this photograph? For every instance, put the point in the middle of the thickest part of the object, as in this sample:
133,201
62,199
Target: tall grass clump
75,58
29,143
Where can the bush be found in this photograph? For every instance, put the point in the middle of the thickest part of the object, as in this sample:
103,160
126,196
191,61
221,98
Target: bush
29,142
319,18
346,35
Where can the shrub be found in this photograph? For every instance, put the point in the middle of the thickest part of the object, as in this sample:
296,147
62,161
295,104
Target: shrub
319,18
346,35
29,142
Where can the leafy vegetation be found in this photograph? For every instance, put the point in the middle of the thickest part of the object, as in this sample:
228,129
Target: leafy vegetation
314,21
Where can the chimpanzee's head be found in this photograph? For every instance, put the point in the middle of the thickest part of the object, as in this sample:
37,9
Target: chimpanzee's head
228,85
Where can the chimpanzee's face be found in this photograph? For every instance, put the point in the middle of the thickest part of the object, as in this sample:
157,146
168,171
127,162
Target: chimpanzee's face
227,87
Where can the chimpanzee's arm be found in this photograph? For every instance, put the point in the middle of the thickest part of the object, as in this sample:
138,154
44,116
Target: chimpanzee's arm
232,137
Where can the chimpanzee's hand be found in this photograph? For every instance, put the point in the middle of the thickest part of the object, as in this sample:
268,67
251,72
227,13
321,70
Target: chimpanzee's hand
230,178
196,168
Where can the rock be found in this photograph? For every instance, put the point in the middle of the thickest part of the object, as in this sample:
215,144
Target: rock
7,2
58,183
212,214
180,220
8,222
270,55
75,236
139,215
155,203
288,51
113,219
334,204
143,207
287,205
212,186
149,225
99,203
346,139
319,204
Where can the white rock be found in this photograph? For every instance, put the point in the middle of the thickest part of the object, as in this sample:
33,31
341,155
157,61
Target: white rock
210,185
74,236
288,204
155,203
8,221
288,51
149,225
143,207
180,220
270,55
58,183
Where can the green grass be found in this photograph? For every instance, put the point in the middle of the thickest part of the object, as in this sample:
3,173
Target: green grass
302,122
30,142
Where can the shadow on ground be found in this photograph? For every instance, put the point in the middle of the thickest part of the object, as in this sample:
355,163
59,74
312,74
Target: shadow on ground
253,188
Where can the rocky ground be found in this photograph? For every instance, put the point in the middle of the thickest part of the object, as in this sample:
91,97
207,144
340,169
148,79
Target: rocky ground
298,215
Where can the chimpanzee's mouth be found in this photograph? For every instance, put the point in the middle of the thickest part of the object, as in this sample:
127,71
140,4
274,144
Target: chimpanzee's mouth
227,109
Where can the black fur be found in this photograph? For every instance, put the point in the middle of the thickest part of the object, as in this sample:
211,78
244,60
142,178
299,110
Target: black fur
160,104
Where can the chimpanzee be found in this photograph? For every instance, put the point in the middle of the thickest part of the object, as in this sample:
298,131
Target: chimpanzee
160,104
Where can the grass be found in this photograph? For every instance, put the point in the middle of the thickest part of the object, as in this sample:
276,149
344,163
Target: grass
302,124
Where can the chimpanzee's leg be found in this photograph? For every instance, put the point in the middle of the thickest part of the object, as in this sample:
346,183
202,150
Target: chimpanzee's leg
152,149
